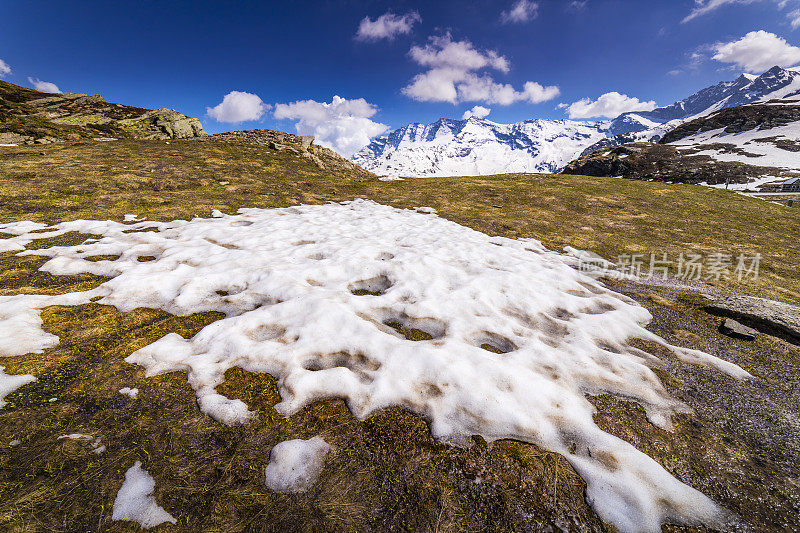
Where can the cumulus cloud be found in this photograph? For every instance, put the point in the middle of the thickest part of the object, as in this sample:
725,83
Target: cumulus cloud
478,111
342,125
43,86
454,75
522,11
387,26
4,68
237,107
757,51
609,105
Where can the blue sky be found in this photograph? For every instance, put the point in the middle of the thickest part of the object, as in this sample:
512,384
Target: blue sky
189,55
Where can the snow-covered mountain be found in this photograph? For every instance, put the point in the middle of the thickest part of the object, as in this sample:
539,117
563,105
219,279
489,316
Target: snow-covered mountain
774,84
745,145
478,147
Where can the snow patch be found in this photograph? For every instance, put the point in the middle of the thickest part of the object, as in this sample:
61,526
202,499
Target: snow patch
385,307
74,436
96,445
10,383
135,501
294,465
127,391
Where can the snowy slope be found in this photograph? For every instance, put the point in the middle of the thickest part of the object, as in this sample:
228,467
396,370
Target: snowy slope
478,146
776,147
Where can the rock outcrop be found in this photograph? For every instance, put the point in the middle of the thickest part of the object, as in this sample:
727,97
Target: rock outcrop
165,124
659,162
769,316
301,145
31,117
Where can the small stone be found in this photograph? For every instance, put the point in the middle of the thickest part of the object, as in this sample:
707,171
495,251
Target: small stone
733,328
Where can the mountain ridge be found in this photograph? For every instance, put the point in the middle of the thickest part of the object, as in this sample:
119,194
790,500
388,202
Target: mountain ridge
448,147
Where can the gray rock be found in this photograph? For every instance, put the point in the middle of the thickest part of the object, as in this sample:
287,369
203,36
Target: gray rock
769,316
14,138
306,141
277,146
732,328
170,124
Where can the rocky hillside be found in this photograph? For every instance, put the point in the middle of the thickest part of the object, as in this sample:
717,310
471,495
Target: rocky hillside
740,144
300,145
32,117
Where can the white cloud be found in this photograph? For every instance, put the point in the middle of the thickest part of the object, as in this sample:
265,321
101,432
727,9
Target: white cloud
478,111
237,107
4,68
454,75
577,5
610,105
757,51
444,52
794,18
522,11
703,7
43,86
342,125
536,93
387,26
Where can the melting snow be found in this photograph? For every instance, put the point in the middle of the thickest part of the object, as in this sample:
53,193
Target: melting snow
318,296
294,465
135,500
96,445
127,391
10,383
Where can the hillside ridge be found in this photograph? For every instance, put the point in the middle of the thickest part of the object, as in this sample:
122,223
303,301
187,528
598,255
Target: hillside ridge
32,117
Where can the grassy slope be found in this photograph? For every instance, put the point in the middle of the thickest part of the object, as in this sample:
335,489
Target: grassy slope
388,472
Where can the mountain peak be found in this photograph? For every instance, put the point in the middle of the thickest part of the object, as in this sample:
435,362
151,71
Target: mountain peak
478,146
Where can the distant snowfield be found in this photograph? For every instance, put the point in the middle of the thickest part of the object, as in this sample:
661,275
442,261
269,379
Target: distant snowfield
315,295
759,144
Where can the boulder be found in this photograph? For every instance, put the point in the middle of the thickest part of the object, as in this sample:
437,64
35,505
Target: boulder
733,328
174,125
277,146
769,316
